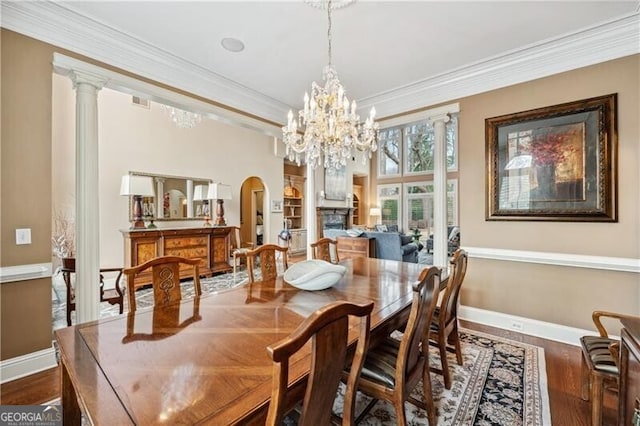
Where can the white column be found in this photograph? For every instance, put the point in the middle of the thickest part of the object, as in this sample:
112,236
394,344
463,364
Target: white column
159,197
87,197
310,208
190,197
440,257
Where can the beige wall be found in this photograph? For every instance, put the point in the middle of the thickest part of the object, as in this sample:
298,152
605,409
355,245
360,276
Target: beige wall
556,294
562,295
26,190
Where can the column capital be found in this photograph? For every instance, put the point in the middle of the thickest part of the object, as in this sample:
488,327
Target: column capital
444,118
83,77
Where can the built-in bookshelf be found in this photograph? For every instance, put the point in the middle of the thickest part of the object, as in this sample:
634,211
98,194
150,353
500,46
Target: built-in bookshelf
293,206
358,216
293,212
356,210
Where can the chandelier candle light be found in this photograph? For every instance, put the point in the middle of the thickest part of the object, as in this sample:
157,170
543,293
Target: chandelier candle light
333,131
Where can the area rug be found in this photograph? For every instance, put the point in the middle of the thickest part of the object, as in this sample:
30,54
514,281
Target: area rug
501,382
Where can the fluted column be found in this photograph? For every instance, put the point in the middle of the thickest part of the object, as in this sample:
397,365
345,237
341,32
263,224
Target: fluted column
190,198
159,197
87,197
310,208
440,256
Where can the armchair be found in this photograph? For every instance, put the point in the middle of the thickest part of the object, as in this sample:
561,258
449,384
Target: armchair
600,370
453,240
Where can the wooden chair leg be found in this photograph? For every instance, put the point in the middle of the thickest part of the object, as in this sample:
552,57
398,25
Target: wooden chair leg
456,342
597,390
585,381
442,344
428,397
69,316
399,406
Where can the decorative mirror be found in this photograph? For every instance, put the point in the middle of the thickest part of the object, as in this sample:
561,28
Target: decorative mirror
173,203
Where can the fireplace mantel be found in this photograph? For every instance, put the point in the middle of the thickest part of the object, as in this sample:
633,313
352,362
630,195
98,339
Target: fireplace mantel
333,217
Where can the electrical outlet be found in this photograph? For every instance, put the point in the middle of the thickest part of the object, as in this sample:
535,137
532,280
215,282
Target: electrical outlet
517,325
23,236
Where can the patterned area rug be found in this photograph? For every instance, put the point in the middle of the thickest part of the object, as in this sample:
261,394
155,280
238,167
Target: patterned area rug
501,382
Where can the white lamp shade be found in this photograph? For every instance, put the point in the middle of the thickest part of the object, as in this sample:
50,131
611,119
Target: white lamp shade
219,191
375,211
200,193
137,185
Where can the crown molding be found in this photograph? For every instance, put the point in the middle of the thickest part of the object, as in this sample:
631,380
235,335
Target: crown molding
55,24
610,40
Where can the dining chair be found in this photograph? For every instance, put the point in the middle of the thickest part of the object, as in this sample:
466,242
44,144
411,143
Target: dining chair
267,256
392,368
325,249
165,271
444,325
111,295
239,249
599,369
328,328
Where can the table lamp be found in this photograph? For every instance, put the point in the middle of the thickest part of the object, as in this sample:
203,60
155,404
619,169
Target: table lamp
200,193
219,192
375,212
137,187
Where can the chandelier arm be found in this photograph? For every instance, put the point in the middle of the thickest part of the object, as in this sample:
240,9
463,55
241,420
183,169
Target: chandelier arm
329,29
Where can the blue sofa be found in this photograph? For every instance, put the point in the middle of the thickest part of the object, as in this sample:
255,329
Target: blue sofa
389,245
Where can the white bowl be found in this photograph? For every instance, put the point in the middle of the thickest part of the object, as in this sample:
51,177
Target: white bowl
314,274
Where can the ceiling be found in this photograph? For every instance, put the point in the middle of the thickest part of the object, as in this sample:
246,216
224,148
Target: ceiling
382,50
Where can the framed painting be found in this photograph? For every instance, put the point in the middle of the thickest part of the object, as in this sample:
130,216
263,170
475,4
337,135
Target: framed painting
276,206
556,163
335,184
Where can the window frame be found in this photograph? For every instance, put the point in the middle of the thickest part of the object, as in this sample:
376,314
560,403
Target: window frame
400,157
398,198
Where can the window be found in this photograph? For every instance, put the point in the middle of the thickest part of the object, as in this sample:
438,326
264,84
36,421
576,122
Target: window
389,152
389,199
418,139
405,155
419,206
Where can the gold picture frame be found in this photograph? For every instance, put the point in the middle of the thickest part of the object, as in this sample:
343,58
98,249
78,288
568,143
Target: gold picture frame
557,163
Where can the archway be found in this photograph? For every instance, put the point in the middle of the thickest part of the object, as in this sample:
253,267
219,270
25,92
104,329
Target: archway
252,210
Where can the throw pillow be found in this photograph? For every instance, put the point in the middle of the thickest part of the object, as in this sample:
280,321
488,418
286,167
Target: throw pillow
405,239
381,228
355,232
392,228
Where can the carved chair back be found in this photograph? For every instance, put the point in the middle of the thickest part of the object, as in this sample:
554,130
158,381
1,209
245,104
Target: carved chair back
165,272
329,330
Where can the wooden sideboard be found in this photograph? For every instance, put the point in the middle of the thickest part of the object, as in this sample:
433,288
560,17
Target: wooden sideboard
629,398
210,244
351,247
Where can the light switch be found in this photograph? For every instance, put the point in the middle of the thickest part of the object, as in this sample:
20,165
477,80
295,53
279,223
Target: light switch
23,236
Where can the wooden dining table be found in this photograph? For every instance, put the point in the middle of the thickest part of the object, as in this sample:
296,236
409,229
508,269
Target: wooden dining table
204,360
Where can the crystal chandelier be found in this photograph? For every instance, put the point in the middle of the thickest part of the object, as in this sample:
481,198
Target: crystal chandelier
182,118
332,129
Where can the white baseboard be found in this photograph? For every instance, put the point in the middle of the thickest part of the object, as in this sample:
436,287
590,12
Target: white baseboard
25,365
545,330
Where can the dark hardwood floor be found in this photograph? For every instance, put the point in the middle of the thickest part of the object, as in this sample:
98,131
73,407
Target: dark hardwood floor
563,378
